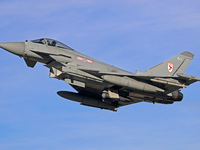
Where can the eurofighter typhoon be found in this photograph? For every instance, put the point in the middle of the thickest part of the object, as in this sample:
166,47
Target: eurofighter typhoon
101,85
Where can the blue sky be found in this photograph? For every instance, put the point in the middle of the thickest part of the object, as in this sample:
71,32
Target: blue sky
130,34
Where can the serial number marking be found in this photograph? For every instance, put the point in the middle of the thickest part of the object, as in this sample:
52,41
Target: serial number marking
179,59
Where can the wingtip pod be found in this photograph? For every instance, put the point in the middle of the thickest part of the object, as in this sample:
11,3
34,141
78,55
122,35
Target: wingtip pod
189,54
188,77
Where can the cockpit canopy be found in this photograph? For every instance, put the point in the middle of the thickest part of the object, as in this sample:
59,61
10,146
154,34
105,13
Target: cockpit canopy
51,42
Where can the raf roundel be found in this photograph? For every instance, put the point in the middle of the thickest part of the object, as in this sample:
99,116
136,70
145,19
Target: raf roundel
84,59
170,67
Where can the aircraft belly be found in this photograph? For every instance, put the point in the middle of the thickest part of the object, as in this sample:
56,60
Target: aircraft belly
149,98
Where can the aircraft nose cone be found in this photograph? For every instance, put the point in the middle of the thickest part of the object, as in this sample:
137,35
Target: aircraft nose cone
16,48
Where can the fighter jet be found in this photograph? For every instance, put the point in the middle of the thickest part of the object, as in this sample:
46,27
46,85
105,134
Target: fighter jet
101,85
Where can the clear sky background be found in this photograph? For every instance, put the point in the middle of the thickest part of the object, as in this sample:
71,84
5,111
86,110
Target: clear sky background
130,34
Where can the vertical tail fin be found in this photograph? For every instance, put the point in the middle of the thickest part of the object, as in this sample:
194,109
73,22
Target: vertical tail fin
171,67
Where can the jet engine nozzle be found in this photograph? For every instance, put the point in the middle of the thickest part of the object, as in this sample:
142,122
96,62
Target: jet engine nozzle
177,96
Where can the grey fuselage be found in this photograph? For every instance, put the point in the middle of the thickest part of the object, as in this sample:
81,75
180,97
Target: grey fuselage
101,85
74,62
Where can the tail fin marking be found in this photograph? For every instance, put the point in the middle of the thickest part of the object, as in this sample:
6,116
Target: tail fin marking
171,67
